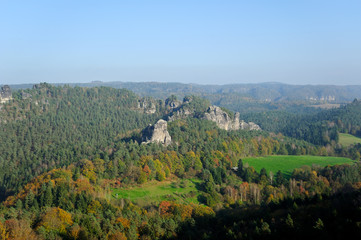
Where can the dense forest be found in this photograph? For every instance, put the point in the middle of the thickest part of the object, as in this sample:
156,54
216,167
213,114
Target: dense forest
320,128
66,150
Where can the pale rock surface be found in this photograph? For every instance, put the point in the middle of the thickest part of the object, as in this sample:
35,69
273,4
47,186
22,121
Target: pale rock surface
157,133
5,94
224,121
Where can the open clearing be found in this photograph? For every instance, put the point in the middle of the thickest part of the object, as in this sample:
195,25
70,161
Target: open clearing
184,191
348,139
287,163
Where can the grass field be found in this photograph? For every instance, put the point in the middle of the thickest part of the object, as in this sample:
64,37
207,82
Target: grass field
186,191
183,191
348,139
287,163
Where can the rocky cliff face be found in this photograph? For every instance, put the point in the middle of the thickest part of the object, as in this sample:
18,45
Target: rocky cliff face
172,103
157,133
180,114
224,121
249,126
147,106
5,94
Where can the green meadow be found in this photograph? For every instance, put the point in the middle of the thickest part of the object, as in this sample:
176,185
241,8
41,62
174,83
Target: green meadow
183,191
286,163
348,139
186,191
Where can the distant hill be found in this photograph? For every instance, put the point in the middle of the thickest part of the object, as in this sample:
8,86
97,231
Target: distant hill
268,92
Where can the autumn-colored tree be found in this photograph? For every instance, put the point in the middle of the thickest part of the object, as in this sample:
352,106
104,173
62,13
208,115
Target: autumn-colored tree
117,236
185,211
99,165
147,170
87,169
94,207
74,231
83,184
124,222
56,219
142,177
19,229
3,234
201,211
160,175
165,208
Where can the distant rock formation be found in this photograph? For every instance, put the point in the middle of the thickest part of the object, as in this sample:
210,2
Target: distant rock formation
5,94
172,102
157,133
25,95
249,126
147,106
180,114
224,121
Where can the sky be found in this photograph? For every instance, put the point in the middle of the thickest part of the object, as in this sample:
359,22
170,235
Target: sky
205,42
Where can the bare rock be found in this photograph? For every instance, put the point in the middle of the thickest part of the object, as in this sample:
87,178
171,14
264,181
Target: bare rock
172,103
157,133
249,126
25,95
147,106
222,119
5,94
180,114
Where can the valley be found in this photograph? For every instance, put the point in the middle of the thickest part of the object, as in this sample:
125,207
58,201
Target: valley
105,163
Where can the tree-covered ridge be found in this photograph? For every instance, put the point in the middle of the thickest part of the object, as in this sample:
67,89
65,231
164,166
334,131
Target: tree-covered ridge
48,127
66,149
320,128
60,125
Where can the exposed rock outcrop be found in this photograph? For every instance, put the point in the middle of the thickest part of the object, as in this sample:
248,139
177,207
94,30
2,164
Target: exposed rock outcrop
157,133
180,114
25,95
5,94
224,121
147,106
172,103
249,126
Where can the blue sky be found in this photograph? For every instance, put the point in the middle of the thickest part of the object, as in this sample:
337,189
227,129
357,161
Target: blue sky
217,42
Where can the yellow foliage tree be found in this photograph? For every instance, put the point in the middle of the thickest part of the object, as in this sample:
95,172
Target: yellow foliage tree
56,219
94,207
3,234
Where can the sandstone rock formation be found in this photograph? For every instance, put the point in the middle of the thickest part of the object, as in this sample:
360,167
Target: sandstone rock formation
25,95
224,121
5,94
172,103
180,114
147,106
157,133
249,126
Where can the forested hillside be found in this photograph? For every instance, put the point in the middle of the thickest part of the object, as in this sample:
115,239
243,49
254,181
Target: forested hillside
320,128
68,153
57,126
243,98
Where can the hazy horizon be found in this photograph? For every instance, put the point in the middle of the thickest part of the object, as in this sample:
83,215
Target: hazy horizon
202,42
